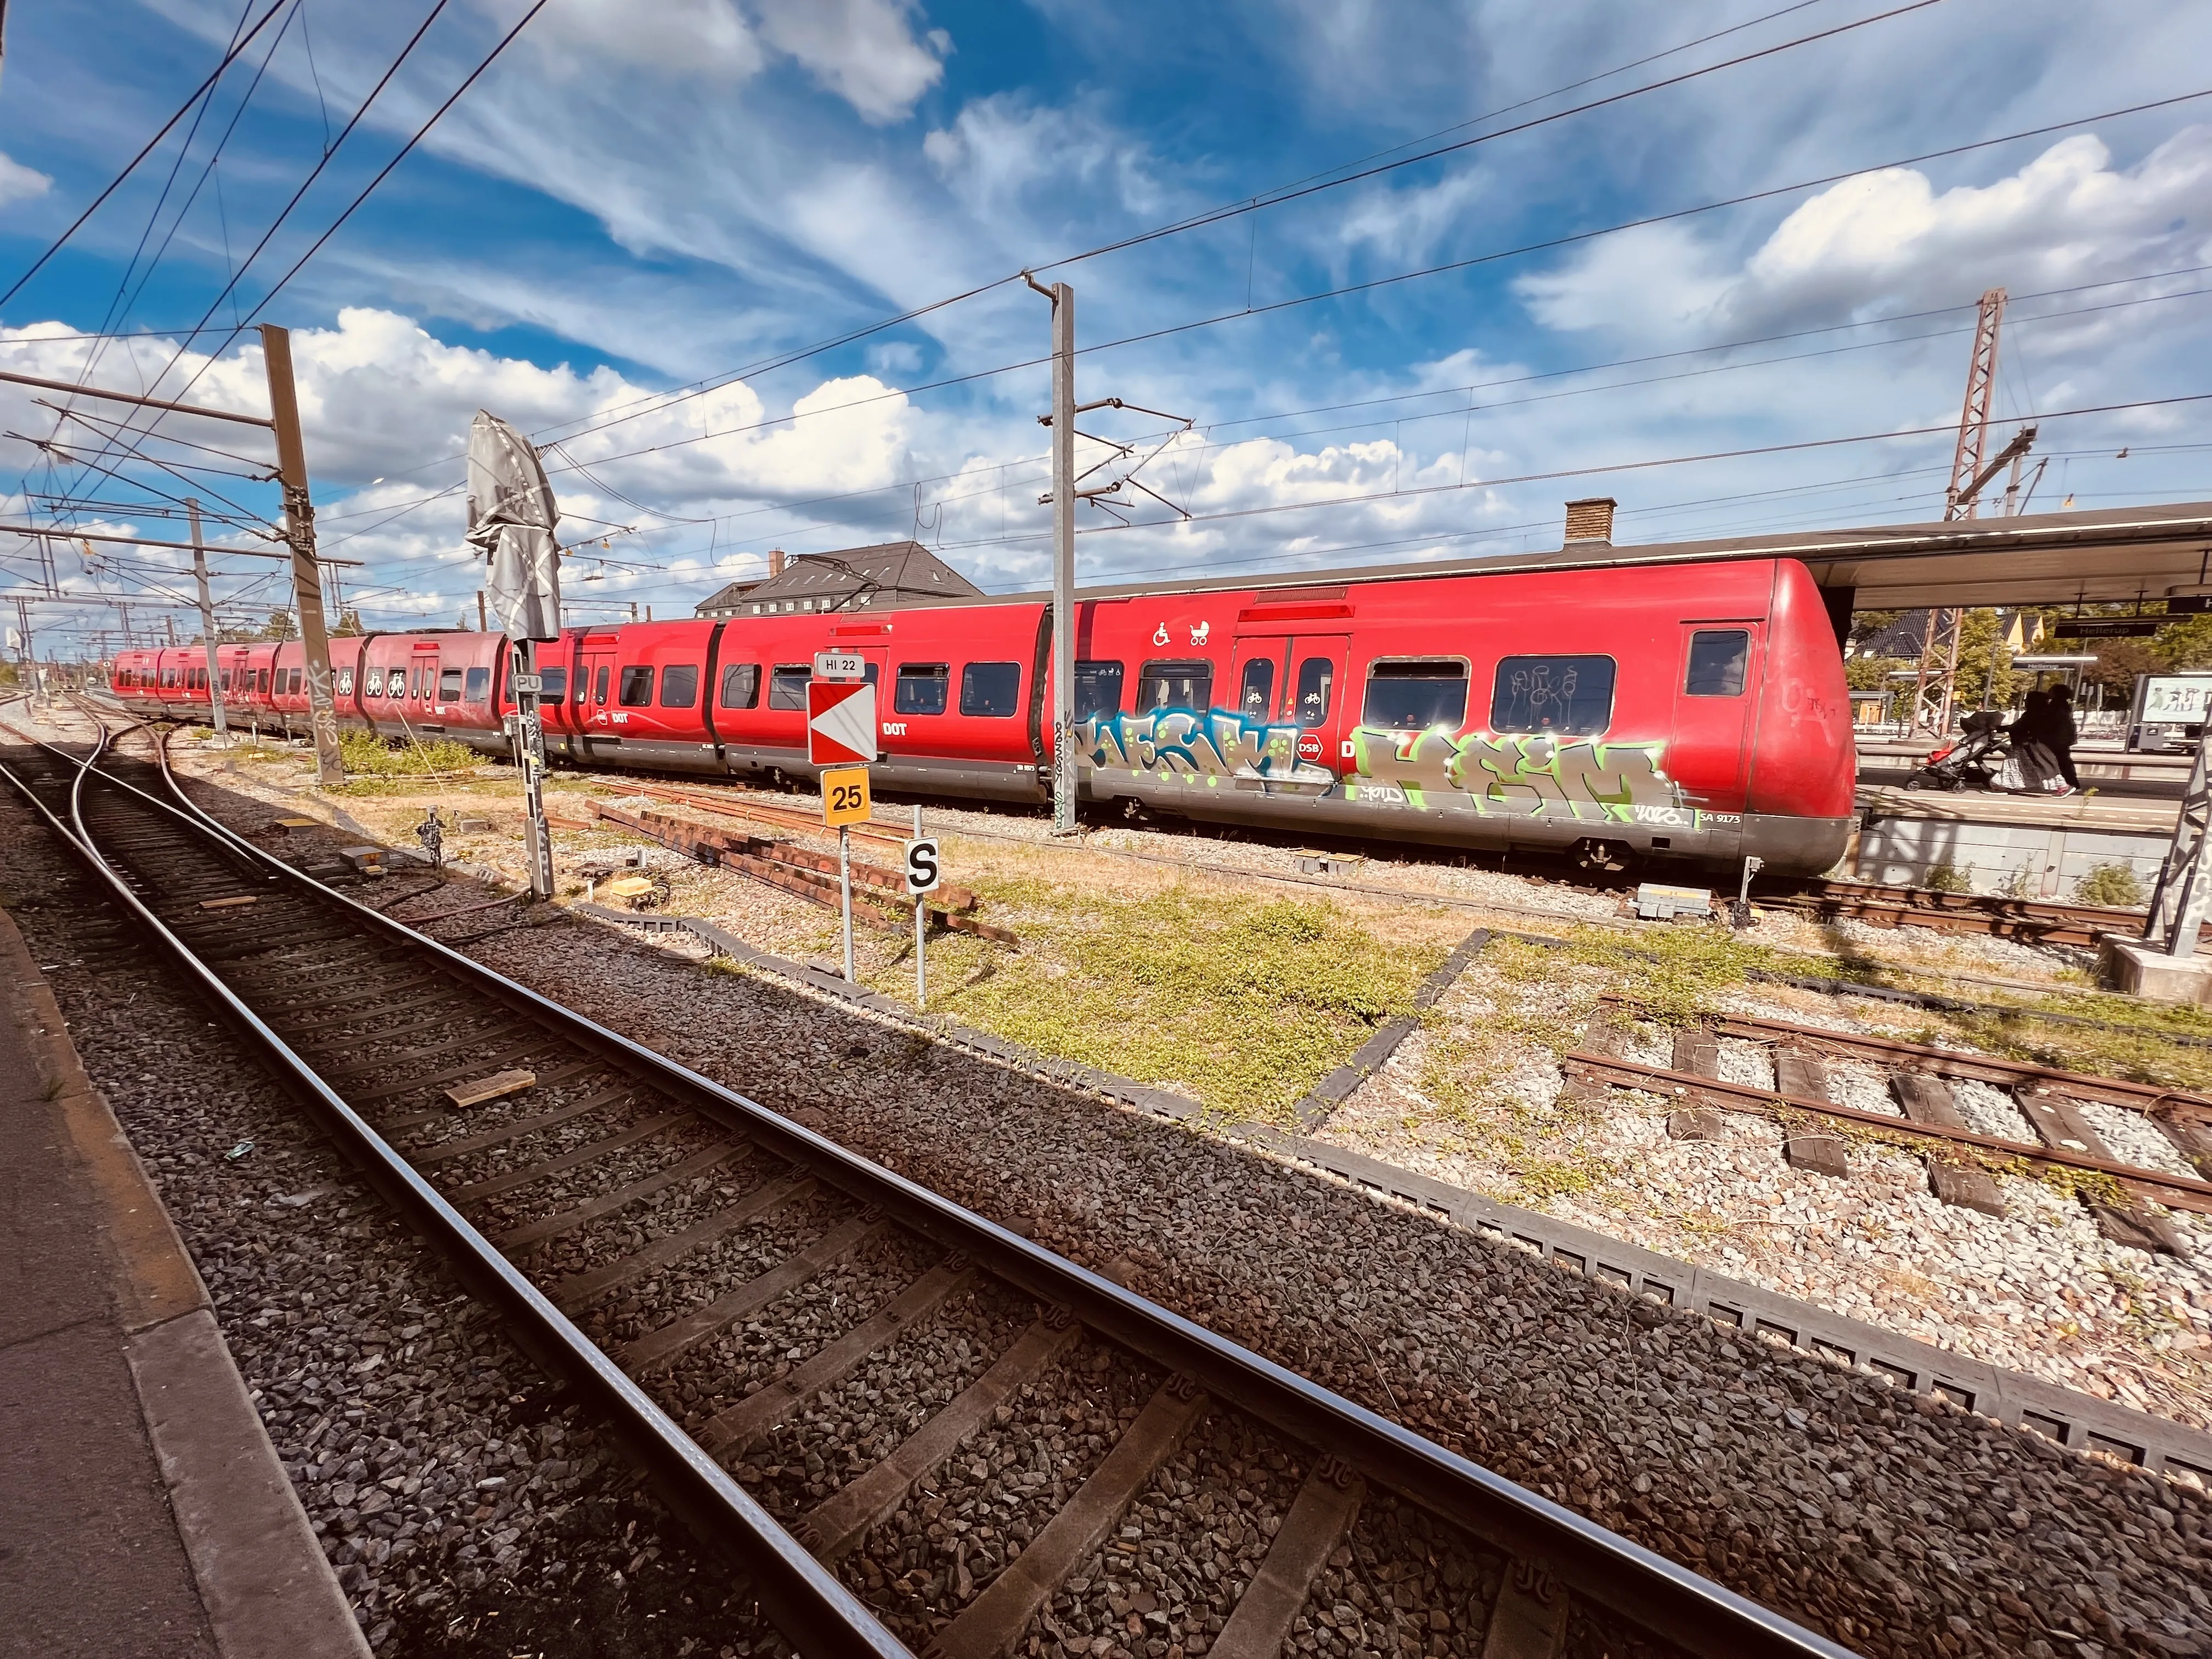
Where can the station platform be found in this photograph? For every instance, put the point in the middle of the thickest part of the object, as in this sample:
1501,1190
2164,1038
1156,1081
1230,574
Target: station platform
2025,847
142,1510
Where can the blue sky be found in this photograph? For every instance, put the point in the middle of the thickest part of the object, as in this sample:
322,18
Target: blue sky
637,198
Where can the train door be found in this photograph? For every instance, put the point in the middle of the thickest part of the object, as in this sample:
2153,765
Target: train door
1296,680
593,698
1716,683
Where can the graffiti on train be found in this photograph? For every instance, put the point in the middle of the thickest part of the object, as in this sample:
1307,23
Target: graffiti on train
1180,743
1533,776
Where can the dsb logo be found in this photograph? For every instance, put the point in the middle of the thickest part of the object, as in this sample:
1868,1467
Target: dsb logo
1311,746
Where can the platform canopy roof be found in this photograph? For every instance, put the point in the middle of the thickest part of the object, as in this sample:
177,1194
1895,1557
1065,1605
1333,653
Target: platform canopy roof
2038,558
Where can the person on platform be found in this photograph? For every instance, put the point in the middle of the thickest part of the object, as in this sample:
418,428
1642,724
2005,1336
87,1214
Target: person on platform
2059,734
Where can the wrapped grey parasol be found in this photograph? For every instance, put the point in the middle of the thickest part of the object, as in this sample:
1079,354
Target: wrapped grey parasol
511,519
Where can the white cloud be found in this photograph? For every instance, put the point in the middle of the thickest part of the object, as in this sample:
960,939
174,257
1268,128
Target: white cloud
864,50
19,183
708,39
1402,226
1888,241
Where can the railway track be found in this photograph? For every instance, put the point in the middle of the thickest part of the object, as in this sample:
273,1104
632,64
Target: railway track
2035,921
927,1434
1967,1115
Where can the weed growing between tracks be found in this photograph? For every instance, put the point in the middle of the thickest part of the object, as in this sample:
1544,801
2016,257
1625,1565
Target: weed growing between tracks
1242,1000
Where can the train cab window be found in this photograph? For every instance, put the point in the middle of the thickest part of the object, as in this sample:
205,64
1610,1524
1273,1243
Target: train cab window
449,686
991,690
1316,682
1717,659
599,688
1174,686
679,685
636,686
1256,697
553,684
741,685
786,686
478,686
1562,696
1414,693
1097,690
921,688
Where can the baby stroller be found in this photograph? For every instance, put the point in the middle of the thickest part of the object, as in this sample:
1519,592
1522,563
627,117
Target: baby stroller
1973,762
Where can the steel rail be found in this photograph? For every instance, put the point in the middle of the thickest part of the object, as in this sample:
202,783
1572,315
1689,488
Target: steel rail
802,1598
1651,1591
2180,1192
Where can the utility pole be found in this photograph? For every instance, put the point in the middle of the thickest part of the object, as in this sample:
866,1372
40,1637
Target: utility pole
1062,422
300,532
483,623
207,621
170,622
1933,689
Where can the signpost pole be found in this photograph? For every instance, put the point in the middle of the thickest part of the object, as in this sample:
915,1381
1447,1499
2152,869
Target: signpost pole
530,756
845,892
207,624
921,928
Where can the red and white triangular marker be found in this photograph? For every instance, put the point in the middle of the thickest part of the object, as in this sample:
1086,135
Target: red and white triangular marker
841,722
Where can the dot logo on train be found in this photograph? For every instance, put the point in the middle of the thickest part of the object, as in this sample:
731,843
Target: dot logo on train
1670,713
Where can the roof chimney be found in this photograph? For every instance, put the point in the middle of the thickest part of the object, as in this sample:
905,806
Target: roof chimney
775,562
1590,520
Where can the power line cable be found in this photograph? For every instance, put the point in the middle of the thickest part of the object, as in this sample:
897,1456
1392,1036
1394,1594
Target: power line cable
116,183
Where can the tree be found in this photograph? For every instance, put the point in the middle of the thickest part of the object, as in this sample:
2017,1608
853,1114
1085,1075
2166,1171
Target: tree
1865,625
349,623
2183,645
279,626
1871,673
1986,677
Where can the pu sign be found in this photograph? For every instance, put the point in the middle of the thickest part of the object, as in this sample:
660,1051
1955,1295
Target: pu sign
841,722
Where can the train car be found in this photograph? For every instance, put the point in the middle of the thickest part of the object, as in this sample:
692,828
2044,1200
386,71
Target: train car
1677,713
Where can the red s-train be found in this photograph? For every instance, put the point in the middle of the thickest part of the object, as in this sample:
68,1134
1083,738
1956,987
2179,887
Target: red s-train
1691,712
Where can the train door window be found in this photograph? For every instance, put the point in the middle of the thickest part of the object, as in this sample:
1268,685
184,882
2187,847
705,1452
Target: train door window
553,684
1414,693
1097,690
600,687
741,685
1174,686
679,685
1256,697
1564,697
449,686
1717,659
921,688
786,686
991,689
345,682
261,682
479,687
583,684
1315,686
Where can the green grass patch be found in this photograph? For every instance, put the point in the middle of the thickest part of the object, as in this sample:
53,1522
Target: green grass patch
1243,1002
367,757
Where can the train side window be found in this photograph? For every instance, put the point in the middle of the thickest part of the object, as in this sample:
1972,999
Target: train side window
479,687
1718,657
636,686
1413,694
679,685
600,687
1174,686
1316,683
1563,696
293,689
741,685
786,686
1097,690
921,688
1255,699
991,690
555,686
449,686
